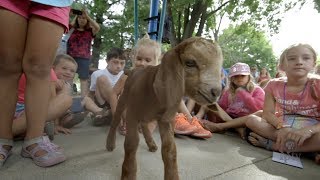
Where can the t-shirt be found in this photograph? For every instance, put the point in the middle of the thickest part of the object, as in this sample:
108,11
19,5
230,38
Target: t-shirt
104,72
300,103
243,103
79,44
56,3
22,85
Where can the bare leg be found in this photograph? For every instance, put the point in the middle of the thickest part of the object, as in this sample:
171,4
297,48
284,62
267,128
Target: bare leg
183,109
12,38
36,65
103,89
58,106
90,105
84,87
190,105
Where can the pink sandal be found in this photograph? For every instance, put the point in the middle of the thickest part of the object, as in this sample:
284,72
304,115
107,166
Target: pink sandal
3,151
53,156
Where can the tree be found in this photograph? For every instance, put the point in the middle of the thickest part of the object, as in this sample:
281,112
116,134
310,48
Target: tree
245,44
194,17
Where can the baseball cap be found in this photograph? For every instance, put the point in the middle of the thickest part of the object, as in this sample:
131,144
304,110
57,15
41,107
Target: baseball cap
239,69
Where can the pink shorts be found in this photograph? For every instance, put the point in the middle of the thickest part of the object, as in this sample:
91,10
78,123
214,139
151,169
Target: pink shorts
27,8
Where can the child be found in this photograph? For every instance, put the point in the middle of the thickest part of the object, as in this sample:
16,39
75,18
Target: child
65,68
242,97
264,75
104,80
79,46
31,37
147,52
290,120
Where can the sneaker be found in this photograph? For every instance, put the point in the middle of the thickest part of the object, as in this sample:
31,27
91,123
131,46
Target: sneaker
182,125
200,132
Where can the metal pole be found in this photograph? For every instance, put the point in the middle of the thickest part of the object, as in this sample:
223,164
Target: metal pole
162,18
136,27
154,4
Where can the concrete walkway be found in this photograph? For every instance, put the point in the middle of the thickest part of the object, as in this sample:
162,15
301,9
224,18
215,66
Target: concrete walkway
221,157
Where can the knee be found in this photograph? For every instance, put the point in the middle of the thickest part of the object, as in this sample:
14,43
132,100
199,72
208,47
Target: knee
36,67
103,80
68,100
10,64
251,121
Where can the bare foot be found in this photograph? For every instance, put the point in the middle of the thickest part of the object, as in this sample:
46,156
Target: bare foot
213,127
260,141
242,132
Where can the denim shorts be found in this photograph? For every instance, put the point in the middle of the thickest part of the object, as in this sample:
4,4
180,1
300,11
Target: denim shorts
83,67
76,105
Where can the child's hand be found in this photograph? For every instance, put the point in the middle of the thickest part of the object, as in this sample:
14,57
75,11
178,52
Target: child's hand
299,135
59,84
282,138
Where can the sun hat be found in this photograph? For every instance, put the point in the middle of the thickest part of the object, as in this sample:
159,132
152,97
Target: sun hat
239,69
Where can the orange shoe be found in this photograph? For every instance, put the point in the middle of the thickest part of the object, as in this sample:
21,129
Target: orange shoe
200,132
182,125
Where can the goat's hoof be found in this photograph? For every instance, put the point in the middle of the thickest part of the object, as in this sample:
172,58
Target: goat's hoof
110,146
153,148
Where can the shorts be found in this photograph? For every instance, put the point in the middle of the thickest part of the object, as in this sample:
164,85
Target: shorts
27,8
298,122
19,110
83,67
76,105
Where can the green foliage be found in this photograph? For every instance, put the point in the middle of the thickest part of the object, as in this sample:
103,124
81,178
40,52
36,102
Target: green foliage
245,44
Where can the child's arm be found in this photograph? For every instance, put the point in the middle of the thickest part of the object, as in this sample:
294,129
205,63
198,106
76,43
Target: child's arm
269,111
254,101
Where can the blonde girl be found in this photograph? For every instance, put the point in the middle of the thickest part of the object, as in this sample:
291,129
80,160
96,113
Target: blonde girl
242,98
147,52
291,113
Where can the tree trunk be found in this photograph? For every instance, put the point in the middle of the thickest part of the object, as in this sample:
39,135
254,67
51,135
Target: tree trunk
96,47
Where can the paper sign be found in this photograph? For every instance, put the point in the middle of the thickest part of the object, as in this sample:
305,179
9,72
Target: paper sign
287,159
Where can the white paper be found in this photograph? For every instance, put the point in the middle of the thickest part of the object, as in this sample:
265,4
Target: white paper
287,159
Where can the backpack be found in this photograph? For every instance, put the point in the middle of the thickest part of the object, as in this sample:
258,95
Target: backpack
62,49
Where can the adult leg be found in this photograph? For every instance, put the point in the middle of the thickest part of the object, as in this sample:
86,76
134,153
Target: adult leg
12,38
84,87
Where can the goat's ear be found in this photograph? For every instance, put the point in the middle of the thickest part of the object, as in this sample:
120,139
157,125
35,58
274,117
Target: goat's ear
169,81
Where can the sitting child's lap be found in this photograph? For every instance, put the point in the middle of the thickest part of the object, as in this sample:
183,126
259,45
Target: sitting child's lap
298,122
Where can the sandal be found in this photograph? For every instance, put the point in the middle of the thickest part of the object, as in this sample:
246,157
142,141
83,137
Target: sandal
54,154
72,119
5,153
100,118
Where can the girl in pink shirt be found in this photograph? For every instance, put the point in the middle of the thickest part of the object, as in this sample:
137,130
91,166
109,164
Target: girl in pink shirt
242,98
291,113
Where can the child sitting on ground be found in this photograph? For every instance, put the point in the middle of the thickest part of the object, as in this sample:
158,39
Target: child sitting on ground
290,119
65,68
241,98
